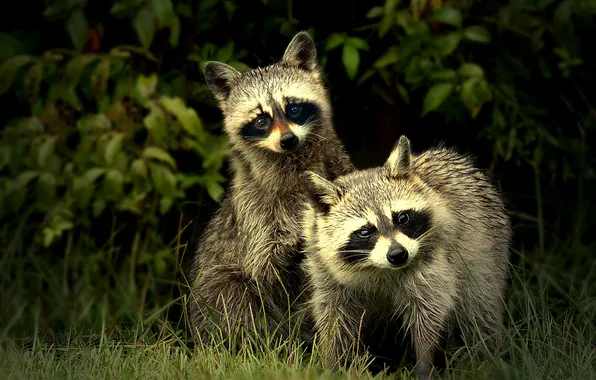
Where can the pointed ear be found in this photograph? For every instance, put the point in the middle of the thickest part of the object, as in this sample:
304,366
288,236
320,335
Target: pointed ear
399,160
220,78
321,193
301,52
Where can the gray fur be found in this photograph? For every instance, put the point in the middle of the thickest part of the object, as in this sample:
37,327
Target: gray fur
248,256
453,286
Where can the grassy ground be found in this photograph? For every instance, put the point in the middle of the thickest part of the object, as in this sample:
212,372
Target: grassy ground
99,329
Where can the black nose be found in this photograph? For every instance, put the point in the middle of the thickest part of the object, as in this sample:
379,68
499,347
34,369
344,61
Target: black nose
288,141
397,256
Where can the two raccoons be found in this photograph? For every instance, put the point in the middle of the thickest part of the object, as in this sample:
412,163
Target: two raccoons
422,241
278,120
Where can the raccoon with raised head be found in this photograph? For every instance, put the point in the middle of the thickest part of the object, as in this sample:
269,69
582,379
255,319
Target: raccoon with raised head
422,241
278,120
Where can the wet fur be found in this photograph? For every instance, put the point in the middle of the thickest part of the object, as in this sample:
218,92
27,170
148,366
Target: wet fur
450,290
248,257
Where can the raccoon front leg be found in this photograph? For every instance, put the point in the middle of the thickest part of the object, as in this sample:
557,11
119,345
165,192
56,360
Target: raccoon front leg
425,324
337,322
228,299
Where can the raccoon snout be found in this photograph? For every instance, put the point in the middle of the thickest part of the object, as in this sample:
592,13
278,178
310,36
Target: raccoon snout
397,256
288,141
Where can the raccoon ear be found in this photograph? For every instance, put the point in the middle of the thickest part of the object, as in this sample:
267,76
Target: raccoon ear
399,160
220,78
322,193
301,52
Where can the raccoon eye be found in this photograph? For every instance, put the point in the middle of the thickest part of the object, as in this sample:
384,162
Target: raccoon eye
364,233
403,218
294,110
262,121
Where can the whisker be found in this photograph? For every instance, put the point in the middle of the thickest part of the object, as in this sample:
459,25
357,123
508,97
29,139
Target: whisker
356,251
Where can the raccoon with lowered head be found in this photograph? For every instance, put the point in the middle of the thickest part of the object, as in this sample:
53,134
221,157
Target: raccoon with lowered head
278,121
422,241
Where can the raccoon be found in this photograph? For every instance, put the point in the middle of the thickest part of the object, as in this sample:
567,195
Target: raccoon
278,120
422,241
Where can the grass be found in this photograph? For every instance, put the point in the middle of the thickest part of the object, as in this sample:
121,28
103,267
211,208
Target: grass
88,323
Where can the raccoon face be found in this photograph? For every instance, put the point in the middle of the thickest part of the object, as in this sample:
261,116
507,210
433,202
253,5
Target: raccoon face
277,108
381,218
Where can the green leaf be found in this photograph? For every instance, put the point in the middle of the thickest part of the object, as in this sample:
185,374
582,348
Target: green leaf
4,156
99,79
33,80
357,42
225,53
155,122
21,182
388,18
212,181
77,27
97,207
386,23
138,168
48,237
130,205
174,31
435,96
56,8
351,60
144,26
475,91
390,6
562,53
184,10
112,185
404,93
165,203
374,12
390,56
46,191
126,7
163,179
448,43
417,7
88,178
75,67
477,33
334,40
9,69
213,150
163,10
45,150
215,191
443,75
187,181
113,147
470,70
187,116
146,85
447,15
153,152
364,77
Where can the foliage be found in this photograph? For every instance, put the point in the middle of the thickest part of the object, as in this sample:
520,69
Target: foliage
118,158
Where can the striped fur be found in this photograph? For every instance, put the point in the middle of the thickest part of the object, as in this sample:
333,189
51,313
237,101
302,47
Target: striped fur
247,261
457,235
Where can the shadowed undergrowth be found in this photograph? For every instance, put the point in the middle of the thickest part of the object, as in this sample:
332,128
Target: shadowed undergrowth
550,333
